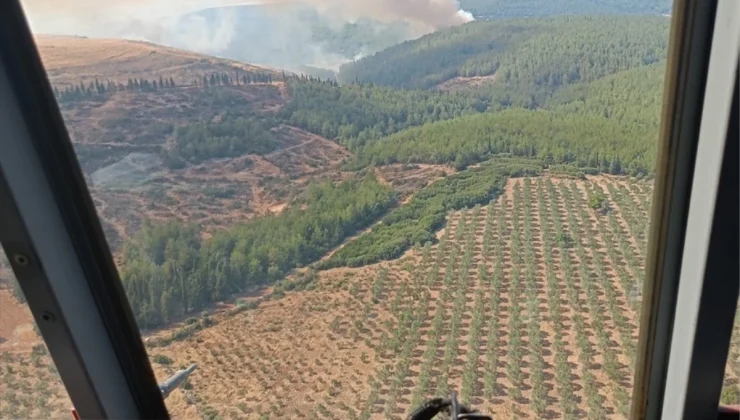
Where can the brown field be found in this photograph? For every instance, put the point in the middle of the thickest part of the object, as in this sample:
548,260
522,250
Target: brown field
409,178
220,193
71,59
479,312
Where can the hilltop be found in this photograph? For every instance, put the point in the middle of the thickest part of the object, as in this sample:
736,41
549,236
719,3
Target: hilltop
71,59
130,105
520,61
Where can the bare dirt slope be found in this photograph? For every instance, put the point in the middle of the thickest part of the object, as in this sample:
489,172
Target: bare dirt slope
69,59
222,192
107,128
462,83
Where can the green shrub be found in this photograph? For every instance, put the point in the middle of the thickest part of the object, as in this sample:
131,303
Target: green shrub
161,359
597,201
417,221
568,171
730,395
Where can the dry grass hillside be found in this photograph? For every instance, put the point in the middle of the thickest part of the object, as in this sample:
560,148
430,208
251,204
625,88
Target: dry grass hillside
70,59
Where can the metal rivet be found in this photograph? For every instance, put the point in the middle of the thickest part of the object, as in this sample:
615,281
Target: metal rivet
47,316
20,259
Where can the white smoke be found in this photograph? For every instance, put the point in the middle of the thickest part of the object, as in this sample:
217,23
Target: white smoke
175,23
427,15
160,21
465,16
170,21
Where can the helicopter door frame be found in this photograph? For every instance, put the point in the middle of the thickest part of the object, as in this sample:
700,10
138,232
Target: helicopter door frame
708,286
55,244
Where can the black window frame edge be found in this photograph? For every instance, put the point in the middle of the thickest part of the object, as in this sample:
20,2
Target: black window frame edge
688,58
40,122
692,33
708,285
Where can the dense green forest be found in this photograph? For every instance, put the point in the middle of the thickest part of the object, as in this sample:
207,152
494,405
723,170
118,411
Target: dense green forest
434,58
531,57
417,222
233,135
575,64
556,138
497,9
632,97
169,270
356,114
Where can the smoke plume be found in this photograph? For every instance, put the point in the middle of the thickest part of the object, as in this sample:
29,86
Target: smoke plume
427,15
184,24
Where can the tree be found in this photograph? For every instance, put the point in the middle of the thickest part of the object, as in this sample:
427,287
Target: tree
730,395
169,269
615,168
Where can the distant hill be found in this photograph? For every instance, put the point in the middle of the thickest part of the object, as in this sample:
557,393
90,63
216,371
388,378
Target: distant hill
586,124
530,57
70,59
633,96
321,73
497,9
293,34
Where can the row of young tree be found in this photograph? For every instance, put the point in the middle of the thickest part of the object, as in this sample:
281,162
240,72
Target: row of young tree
169,270
82,91
417,221
237,79
74,93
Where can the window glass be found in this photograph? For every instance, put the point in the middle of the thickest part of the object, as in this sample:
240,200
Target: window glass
30,386
341,209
